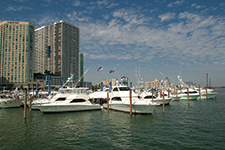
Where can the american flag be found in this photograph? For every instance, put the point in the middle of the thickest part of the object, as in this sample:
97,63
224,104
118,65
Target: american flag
100,68
111,71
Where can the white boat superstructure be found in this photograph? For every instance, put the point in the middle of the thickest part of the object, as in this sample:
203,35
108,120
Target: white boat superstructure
99,96
67,100
176,94
40,98
147,95
188,93
120,101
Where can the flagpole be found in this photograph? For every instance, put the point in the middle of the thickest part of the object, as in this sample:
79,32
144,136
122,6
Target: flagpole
117,72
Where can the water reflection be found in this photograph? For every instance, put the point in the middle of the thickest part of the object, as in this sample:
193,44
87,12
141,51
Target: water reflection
182,125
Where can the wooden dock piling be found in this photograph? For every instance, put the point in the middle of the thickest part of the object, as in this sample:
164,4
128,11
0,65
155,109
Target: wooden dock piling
152,95
163,103
25,105
160,92
188,95
168,93
130,102
31,100
176,95
108,102
199,89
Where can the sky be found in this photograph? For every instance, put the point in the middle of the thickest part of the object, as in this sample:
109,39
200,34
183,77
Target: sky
151,38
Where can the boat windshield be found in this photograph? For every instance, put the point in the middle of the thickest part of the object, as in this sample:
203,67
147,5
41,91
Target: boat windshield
149,96
124,88
191,92
116,99
78,100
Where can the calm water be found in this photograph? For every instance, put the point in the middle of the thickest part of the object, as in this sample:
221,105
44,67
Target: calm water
200,125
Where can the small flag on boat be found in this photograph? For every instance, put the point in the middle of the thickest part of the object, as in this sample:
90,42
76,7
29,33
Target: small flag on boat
101,86
61,84
49,88
111,71
110,86
37,86
100,68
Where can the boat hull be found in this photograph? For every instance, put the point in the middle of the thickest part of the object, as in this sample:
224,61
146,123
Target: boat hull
210,96
49,108
35,105
137,109
176,98
191,97
166,101
11,103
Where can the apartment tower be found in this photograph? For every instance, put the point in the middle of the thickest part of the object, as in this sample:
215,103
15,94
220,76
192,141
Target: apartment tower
82,69
57,49
16,51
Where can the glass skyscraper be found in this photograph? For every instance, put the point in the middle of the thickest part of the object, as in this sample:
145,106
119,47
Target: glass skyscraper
16,51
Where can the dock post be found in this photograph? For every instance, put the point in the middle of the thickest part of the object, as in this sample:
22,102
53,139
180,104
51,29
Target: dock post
108,102
188,95
163,103
176,95
31,99
215,91
25,105
152,95
130,102
160,91
174,89
206,93
168,92
199,89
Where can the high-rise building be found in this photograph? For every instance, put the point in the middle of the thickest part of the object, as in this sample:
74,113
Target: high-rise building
16,51
82,69
57,49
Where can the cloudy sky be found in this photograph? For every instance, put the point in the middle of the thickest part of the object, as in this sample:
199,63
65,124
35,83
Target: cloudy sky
146,37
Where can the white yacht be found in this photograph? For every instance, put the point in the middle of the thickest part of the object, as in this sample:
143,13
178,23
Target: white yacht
191,93
120,101
10,100
211,94
187,92
147,95
67,100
